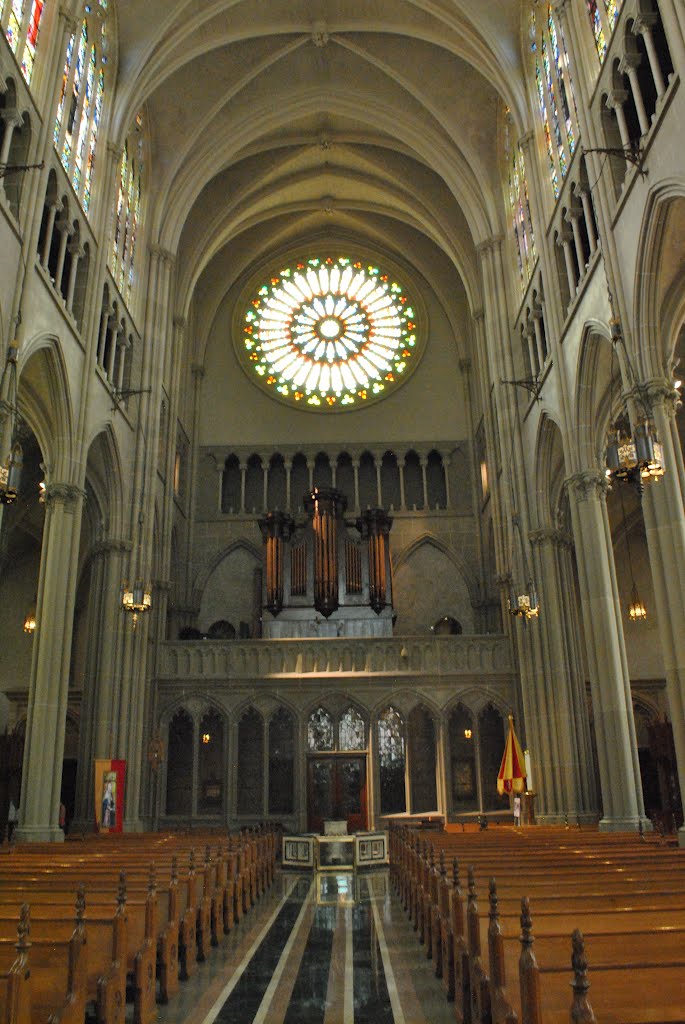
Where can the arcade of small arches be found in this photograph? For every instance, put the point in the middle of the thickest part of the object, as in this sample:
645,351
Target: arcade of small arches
401,479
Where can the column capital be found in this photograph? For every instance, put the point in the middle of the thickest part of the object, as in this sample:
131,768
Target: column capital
113,545
68,20
11,116
489,245
180,322
465,366
527,140
68,495
659,392
590,483
548,535
162,254
198,371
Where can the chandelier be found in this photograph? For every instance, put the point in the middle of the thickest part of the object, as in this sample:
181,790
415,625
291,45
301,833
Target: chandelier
525,605
136,598
634,458
638,456
11,456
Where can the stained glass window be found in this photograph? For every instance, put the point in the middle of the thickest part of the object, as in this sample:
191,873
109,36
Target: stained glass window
519,209
320,734
330,332
127,210
603,18
391,761
555,97
390,738
20,20
79,109
352,731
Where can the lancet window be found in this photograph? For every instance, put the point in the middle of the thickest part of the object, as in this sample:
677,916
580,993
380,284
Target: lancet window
555,96
79,110
320,732
20,20
603,15
127,211
519,207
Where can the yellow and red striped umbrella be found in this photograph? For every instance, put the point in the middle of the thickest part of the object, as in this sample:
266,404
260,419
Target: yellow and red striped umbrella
511,777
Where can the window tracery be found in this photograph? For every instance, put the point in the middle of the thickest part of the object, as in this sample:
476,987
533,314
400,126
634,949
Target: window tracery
519,206
603,17
555,95
330,333
79,109
320,734
20,20
352,731
127,211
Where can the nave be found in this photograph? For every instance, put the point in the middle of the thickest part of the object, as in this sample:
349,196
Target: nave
333,948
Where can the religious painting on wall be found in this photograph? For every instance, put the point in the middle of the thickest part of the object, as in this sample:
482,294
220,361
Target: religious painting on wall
109,795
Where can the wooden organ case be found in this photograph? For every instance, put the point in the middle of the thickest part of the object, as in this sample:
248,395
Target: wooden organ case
325,574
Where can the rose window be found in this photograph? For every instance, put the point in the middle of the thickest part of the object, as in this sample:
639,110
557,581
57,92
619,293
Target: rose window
331,333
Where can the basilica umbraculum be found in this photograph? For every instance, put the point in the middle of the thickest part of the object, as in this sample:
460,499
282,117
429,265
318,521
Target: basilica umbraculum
339,412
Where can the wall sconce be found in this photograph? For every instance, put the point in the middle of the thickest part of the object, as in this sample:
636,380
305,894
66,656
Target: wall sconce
206,737
468,733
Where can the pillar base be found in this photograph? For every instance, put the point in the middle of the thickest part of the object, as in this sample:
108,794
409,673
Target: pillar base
39,834
575,818
134,825
625,825
681,836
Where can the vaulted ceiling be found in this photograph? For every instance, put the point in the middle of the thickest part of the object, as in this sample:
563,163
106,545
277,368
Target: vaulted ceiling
274,123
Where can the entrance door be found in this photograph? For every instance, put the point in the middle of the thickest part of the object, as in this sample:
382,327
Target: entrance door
336,788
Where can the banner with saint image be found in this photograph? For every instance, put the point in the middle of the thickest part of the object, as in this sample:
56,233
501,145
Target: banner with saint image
110,778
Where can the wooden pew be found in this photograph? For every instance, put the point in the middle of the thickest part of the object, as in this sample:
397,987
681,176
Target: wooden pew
15,978
57,972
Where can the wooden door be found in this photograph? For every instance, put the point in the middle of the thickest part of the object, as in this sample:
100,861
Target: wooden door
336,789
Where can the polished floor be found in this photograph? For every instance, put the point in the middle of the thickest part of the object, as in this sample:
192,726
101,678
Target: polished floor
332,948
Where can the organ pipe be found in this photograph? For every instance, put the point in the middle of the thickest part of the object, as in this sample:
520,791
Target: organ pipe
276,528
374,526
325,505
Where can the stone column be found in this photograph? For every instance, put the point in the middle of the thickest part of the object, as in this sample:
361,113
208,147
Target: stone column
615,101
11,119
586,200
565,237
403,500
423,462
355,468
77,253
644,24
49,682
53,210
65,231
103,666
628,66
243,471
619,769
663,504
574,217
566,713
288,463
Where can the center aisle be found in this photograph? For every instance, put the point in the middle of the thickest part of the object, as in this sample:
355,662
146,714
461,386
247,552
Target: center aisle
328,949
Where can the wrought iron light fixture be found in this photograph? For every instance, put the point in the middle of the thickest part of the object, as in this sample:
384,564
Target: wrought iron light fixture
136,598
11,455
525,605
632,457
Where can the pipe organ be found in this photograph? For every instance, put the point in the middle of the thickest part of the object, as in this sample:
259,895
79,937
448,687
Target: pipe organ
325,575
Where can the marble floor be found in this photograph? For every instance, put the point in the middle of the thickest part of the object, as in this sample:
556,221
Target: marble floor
330,948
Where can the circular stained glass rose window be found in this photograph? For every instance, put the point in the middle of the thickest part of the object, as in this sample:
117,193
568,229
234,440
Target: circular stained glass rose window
331,333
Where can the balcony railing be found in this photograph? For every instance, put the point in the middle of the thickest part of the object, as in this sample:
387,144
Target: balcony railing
400,657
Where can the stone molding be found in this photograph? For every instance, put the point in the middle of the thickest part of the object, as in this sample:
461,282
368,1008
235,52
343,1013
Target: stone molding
65,494
549,535
590,483
350,658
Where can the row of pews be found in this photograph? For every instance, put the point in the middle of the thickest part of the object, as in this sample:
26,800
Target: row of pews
86,924
474,898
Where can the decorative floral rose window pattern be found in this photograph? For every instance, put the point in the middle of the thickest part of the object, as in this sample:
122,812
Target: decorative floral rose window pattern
331,333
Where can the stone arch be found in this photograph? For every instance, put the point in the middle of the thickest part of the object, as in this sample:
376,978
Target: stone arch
594,393
550,470
659,302
45,401
423,606
225,587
